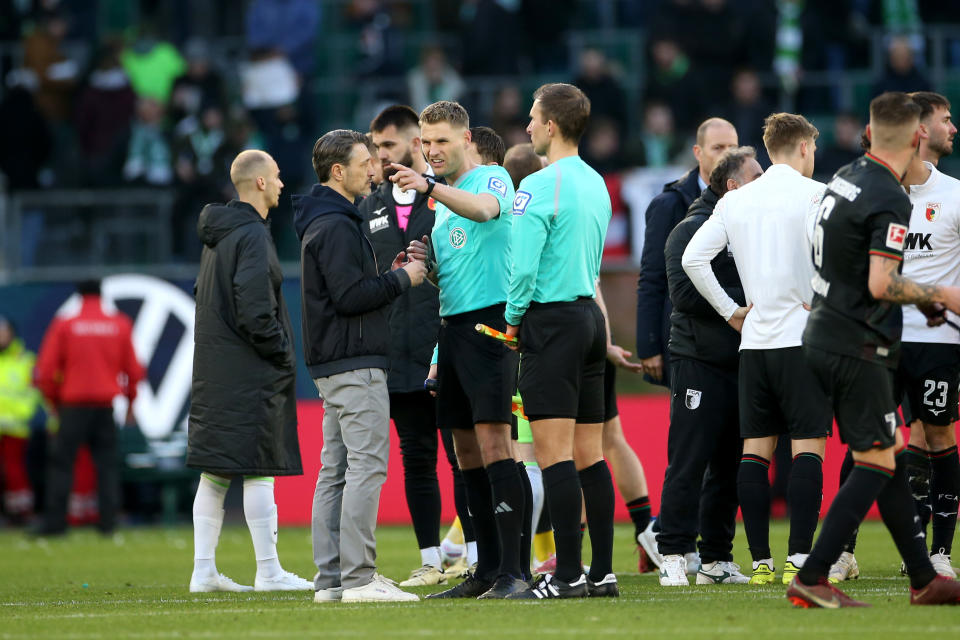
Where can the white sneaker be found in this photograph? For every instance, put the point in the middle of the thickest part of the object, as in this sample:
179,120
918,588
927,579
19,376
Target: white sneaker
379,589
215,582
425,576
333,594
648,541
845,568
286,581
693,562
941,563
721,572
673,571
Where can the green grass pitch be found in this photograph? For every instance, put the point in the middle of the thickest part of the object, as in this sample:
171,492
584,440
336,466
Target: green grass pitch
134,585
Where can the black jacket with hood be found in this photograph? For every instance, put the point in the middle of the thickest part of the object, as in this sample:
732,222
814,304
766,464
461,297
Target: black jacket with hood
345,299
414,316
697,331
243,408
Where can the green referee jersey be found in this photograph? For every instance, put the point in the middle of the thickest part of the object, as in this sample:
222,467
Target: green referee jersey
473,258
560,218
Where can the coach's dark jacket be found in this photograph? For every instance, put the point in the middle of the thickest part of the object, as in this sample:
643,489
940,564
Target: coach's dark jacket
414,316
344,298
696,330
243,411
653,304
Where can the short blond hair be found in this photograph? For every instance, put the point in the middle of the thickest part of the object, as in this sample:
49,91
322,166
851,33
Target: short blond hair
783,131
445,111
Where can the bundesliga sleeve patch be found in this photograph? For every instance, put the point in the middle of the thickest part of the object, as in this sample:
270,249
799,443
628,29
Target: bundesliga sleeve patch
520,203
497,186
896,234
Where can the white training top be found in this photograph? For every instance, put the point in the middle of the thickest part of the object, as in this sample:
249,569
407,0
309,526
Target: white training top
767,225
931,251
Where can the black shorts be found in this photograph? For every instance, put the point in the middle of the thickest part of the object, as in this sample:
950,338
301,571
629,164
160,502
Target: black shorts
610,410
476,375
779,395
929,380
862,395
563,347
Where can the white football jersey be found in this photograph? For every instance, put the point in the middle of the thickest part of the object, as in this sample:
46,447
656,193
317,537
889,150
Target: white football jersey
931,251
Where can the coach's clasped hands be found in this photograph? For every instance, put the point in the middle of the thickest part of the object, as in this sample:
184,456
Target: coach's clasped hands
416,269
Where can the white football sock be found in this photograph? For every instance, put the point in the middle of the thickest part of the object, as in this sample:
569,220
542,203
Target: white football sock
207,521
536,487
260,511
471,553
430,556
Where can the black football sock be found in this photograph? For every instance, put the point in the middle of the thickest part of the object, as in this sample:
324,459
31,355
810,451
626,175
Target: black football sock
639,510
460,503
944,489
847,511
804,495
561,484
845,470
508,508
753,490
544,524
526,534
896,509
918,477
597,485
480,502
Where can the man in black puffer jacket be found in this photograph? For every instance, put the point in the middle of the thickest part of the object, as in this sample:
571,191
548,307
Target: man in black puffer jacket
704,429
346,341
243,407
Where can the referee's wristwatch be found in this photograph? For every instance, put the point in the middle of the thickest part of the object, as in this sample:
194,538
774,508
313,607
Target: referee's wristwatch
431,183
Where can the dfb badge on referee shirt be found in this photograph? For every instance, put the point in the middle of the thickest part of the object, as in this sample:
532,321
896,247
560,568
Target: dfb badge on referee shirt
692,400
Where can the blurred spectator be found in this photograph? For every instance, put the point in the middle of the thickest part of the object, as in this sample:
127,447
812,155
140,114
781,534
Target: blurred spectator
720,38
597,80
268,81
195,155
104,111
25,140
11,18
19,401
789,48
659,145
601,149
843,149
56,73
671,81
288,25
507,116
152,65
240,135
433,79
672,19
544,26
200,85
148,154
85,361
901,73
380,42
483,22
747,110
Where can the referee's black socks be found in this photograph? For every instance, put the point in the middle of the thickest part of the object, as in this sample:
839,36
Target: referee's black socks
480,502
945,487
753,491
561,486
598,498
526,524
508,511
804,496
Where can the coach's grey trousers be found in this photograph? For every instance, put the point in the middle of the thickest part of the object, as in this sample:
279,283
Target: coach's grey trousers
356,443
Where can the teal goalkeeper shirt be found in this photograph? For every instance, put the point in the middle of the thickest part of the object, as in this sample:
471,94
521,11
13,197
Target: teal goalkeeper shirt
560,218
473,258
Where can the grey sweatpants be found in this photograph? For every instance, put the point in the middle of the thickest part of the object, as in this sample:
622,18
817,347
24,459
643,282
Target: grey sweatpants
356,443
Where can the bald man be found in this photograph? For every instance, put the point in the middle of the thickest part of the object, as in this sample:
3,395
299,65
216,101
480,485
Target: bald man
243,420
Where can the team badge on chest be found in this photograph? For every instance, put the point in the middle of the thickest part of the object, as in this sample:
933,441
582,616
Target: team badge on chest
458,238
932,211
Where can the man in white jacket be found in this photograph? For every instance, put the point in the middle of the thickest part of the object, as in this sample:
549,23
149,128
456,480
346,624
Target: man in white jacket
767,226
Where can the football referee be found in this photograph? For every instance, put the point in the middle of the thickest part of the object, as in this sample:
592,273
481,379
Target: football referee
560,220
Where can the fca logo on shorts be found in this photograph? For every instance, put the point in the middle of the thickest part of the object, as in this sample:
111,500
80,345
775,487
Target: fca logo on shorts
458,238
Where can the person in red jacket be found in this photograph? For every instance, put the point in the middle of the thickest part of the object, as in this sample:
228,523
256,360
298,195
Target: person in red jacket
85,361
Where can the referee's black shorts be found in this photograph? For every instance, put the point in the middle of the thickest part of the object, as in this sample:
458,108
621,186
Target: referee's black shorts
610,409
564,348
929,379
779,395
476,375
863,398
